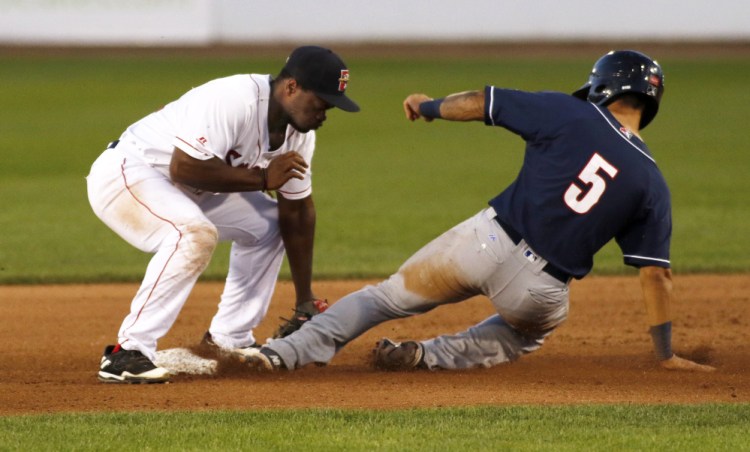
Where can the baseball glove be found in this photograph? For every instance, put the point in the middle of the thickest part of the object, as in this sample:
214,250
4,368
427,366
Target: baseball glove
302,314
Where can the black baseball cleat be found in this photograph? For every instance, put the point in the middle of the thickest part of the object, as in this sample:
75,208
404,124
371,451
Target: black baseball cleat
129,366
241,353
266,360
395,356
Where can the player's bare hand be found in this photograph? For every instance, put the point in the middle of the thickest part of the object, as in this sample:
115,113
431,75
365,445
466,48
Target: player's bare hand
283,168
677,363
411,106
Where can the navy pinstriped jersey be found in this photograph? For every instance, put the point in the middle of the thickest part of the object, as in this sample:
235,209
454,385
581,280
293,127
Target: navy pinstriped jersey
585,179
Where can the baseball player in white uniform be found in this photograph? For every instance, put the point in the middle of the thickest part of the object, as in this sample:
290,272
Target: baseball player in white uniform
196,172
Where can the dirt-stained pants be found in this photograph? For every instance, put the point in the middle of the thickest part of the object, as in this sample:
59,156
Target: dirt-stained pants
475,257
182,228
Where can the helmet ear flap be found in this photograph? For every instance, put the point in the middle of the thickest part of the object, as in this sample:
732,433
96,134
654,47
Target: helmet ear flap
582,92
599,93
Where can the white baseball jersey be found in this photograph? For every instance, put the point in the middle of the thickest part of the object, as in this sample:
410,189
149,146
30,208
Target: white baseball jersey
130,191
225,118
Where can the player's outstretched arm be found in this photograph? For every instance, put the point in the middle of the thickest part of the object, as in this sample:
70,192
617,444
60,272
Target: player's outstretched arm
465,106
656,283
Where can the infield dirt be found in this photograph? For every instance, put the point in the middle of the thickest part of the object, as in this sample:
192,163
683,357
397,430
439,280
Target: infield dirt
53,337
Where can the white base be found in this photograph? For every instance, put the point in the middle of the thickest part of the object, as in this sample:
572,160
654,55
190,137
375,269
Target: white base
183,361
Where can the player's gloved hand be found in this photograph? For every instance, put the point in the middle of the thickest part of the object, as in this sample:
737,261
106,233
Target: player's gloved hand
677,363
411,106
302,314
283,168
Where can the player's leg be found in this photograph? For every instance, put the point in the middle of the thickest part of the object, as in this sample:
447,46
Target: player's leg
250,221
321,337
426,280
495,340
486,344
144,208
472,258
530,304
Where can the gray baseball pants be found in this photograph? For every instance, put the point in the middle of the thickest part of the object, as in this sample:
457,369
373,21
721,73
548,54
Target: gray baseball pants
475,257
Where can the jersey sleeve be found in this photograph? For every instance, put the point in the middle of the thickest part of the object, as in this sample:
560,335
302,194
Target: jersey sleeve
294,188
530,115
210,122
646,241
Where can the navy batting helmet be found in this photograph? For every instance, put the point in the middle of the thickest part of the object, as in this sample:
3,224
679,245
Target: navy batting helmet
625,72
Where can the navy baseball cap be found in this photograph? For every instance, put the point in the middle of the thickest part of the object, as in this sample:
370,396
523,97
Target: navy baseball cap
321,71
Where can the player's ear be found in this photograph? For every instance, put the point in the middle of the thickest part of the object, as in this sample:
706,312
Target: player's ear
291,86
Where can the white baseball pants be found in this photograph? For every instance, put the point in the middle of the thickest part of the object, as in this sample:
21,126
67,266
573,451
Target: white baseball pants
182,229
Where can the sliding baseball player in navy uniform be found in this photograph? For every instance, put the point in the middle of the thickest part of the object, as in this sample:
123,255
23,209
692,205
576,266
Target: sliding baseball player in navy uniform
587,177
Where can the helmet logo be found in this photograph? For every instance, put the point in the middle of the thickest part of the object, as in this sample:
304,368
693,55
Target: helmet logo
654,80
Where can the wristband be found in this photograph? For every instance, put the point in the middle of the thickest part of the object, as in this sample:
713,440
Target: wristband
431,108
662,338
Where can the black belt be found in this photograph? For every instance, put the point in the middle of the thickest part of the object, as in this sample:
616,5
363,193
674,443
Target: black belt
113,144
550,269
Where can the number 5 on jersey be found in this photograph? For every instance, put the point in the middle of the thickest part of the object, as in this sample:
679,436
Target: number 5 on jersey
581,202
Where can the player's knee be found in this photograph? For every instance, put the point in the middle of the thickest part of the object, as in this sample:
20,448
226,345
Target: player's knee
199,242
541,311
271,233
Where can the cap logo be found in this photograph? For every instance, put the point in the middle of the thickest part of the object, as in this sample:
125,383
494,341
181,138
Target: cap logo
343,80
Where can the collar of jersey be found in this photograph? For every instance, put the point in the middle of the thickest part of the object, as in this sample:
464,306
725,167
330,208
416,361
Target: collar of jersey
613,124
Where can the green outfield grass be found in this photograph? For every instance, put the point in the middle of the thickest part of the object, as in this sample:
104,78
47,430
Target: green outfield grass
663,428
383,186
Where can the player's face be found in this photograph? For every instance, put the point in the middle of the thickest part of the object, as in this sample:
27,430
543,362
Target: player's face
307,111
